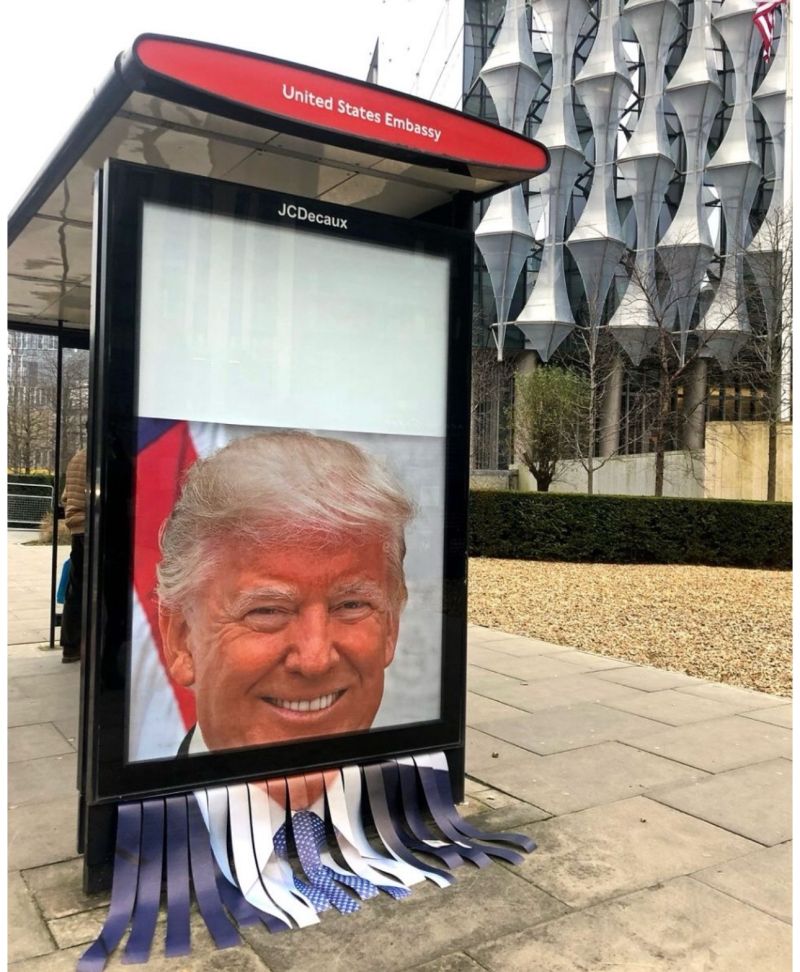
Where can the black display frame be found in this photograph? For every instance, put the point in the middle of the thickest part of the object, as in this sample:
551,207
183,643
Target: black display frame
107,775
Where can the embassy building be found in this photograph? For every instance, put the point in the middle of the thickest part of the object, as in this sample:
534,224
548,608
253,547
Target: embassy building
654,256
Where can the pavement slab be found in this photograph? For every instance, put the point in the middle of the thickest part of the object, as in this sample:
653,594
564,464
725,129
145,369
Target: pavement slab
719,744
487,755
743,699
42,832
649,679
682,926
590,661
27,711
569,727
490,684
580,861
581,778
43,779
36,741
549,693
58,889
518,645
205,957
779,716
27,932
754,801
675,708
480,709
531,669
395,935
762,879
492,810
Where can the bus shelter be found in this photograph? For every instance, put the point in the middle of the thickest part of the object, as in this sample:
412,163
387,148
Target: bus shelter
274,265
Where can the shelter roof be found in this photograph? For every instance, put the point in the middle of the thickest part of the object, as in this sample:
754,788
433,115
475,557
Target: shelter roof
252,120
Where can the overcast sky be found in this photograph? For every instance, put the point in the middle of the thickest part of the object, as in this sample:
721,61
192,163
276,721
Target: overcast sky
56,54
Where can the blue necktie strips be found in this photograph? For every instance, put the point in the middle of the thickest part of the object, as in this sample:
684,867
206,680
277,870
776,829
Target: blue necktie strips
247,862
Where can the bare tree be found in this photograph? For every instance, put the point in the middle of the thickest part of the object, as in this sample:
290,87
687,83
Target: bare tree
656,298
768,366
492,381
591,352
31,402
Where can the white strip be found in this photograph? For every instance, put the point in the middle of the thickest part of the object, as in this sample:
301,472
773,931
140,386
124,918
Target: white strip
213,805
279,881
243,855
351,778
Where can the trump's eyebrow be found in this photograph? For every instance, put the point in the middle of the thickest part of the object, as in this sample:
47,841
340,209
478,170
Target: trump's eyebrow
359,588
258,595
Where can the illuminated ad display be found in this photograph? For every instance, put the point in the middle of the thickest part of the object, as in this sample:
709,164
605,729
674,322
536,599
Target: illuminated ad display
284,397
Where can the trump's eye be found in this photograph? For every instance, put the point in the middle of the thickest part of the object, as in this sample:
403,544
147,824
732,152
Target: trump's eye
353,609
267,617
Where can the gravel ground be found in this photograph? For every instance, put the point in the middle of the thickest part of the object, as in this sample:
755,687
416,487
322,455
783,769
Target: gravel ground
719,623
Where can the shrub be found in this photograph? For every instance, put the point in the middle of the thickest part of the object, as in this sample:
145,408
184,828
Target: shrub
46,530
630,529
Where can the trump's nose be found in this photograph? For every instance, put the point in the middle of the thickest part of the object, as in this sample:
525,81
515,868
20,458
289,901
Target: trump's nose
311,651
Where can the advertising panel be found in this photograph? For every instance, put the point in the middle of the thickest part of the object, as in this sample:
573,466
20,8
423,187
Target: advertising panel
280,463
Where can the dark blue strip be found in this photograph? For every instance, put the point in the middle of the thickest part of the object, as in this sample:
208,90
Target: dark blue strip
385,824
441,815
408,790
205,888
123,889
444,812
240,907
178,940
148,894
466,828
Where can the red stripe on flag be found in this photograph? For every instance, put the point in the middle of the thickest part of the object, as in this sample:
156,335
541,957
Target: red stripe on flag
159,473
764,20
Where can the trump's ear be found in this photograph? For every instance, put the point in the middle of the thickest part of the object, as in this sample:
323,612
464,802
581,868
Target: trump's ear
391,640
175,641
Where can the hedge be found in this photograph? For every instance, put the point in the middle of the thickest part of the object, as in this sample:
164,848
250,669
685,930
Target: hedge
629,529
21,482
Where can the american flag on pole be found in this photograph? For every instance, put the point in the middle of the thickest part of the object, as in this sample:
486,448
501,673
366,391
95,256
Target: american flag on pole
764,19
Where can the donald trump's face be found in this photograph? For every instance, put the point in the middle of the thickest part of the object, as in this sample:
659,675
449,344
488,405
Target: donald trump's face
286,642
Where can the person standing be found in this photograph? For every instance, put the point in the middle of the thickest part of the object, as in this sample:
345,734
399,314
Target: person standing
74,502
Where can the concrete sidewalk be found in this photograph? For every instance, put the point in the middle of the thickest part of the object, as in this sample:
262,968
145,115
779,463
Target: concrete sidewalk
661,805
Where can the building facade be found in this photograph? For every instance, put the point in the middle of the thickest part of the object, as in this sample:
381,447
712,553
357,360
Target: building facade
654,256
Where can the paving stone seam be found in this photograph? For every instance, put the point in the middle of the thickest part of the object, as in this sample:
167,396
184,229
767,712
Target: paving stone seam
753,717
734,897
772,701
496,788
64,737
691,766
40,913
654,796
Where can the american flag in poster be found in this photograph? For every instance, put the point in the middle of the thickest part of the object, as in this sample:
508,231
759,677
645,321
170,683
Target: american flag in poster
764,19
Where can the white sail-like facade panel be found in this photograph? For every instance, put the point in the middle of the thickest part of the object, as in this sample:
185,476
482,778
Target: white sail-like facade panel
504,236
686,249
646,165
547,317
597,243
736,172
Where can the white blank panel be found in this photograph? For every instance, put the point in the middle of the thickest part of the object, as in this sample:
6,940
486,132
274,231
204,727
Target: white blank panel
253,324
